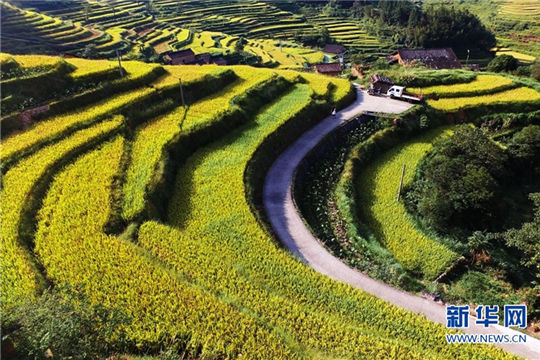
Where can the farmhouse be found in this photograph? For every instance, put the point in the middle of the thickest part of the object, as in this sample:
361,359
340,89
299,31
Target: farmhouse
333,69
188,57
182,57
334,49
433,58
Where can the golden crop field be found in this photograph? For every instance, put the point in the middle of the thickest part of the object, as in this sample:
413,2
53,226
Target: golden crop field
377,189
518,95
30,61
481,83
56,125
524,58
19,277
206,272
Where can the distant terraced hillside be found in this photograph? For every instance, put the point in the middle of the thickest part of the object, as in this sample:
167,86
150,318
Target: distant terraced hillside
211,26
27,31
515,23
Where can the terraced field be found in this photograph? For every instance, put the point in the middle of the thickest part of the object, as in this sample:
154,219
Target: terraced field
351,35
520,8
198,265
26,31
515,23
519,95
523,58
481,84
388,218
486,90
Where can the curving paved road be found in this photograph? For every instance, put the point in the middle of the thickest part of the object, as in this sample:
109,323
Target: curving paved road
294,234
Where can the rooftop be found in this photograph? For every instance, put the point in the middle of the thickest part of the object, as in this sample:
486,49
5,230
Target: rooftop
444,58
328,68
334,49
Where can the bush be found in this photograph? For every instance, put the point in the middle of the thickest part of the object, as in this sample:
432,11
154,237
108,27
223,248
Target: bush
63,324
503,63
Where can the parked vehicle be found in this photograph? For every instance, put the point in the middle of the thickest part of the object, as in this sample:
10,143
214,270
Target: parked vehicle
399,92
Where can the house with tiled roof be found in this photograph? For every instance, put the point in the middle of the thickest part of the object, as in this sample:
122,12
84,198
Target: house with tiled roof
443,58
330,69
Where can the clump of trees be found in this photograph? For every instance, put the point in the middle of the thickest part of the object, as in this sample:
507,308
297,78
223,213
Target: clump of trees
443,26
535,71
469,183
319,36
460,182
526,238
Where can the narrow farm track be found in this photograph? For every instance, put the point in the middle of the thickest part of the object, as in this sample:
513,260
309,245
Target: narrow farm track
293,233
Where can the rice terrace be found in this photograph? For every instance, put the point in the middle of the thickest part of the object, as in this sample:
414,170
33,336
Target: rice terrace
257,179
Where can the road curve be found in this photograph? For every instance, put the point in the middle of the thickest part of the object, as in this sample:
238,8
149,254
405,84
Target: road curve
293,233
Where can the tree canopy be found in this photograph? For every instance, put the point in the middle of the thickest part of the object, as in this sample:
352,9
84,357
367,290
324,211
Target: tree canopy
460,181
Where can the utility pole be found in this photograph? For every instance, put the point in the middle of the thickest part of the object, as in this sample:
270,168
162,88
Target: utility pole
182,92
119,63
401,182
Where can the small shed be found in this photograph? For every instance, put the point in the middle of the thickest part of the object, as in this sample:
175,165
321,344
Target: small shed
333,69
334,49
444,58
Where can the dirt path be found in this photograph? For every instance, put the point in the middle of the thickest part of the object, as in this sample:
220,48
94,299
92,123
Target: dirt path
294,234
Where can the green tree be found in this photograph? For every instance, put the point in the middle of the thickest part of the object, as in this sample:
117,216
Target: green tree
525,146
90,51
503,63
527,238
448,26
535,73
331,8
239,46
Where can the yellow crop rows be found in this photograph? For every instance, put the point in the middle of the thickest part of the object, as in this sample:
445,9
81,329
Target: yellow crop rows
187,73
30,61
377,191
481,83
51,127
518,95
210,274
86,67
150,139
116,273
19,278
